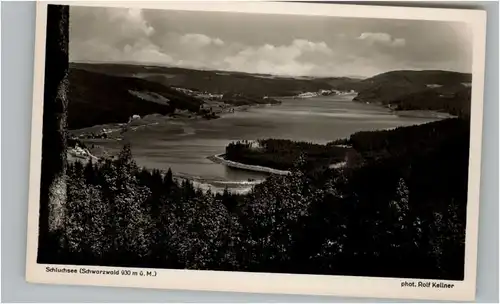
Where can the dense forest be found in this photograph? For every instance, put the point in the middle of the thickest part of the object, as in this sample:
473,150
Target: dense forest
371,219
96,97
100,99
282,154
96,91
455,101
443,91
217,82
359,148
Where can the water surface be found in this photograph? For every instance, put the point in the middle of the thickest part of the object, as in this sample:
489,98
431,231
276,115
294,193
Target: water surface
185,146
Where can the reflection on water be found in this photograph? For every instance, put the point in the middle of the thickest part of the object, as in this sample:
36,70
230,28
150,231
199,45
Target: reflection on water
185,146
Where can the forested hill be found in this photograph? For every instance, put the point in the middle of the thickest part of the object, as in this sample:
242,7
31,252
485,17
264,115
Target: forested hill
110,93
401,203
96,98
221,82
419,90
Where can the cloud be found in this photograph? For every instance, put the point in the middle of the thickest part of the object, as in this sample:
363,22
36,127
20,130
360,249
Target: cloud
283,59
125,35
145,52
199,40
309,46
318,47
142,51
131,22
383,39
110,34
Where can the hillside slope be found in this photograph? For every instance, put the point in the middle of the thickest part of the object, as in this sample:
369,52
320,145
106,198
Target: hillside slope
418,90
222,82
97,91
96,98
455,100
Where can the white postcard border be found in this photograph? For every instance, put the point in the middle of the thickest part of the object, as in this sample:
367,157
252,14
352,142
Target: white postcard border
265,282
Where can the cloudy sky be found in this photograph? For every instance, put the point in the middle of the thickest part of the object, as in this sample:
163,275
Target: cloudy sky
270,44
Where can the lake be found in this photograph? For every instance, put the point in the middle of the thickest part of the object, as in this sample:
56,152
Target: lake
184,146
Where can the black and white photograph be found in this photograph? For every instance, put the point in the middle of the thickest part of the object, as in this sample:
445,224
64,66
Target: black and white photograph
264,143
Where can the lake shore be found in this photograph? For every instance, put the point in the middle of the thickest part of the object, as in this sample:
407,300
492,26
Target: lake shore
219,159
115,131
410,113
176,126
423,114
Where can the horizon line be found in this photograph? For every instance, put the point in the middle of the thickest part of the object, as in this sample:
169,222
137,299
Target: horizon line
159,65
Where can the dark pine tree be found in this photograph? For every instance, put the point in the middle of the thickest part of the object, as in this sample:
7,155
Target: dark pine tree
89,173
168,179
